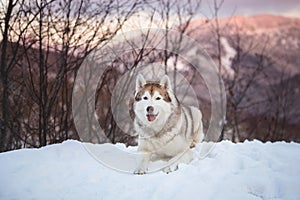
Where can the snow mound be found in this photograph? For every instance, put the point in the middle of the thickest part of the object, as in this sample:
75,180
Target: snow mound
249,170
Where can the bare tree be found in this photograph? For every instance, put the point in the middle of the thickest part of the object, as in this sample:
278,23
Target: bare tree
280,104
4,81
175,16
171,16
13,29
54,37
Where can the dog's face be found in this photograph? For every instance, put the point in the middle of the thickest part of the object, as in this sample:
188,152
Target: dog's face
153,101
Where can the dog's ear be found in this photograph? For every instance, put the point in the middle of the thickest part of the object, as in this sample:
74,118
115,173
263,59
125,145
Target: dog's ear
140,82
165,82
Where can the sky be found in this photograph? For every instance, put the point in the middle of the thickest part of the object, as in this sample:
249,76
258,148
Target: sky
290,8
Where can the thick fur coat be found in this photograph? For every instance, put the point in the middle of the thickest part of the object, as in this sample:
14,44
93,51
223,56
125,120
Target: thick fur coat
165,127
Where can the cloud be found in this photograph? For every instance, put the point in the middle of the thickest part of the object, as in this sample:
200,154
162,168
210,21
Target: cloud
251,7
294,12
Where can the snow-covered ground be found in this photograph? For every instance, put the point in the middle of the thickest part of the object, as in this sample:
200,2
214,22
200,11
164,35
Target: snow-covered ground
249,170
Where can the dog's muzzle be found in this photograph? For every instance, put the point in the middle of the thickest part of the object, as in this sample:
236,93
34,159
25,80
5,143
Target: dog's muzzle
150,115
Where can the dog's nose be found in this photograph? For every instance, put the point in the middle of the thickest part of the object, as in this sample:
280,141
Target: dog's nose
150,109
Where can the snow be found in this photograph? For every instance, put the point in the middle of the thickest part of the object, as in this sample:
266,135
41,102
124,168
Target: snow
249,170
227,58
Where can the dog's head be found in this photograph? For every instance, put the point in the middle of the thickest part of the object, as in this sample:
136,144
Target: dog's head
154,101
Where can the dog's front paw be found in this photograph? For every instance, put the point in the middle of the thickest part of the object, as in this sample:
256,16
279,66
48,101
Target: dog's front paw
142,160
139,172
170,168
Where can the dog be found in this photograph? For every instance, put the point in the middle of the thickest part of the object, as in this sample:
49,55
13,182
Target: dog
165,127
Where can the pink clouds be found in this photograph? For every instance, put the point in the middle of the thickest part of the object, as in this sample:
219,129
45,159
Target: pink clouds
289,8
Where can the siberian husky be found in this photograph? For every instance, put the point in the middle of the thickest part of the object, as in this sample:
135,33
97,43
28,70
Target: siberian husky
166,128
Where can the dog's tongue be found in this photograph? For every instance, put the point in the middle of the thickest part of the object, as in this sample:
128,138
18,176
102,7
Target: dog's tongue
151,117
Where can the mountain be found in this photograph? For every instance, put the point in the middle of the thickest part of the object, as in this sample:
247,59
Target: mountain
260,65
275,36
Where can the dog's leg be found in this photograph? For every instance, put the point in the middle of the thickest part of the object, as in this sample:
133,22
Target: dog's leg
143,159
198,135
186,158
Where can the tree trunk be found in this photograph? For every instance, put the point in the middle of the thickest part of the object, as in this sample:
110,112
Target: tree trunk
4,120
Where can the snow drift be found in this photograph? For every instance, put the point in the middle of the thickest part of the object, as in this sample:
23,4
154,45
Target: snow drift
249,170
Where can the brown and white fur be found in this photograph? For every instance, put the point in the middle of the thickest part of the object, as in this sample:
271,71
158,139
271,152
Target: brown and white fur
165,127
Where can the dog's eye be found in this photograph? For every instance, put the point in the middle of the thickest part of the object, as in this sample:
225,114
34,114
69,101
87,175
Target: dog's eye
145,98
158,98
